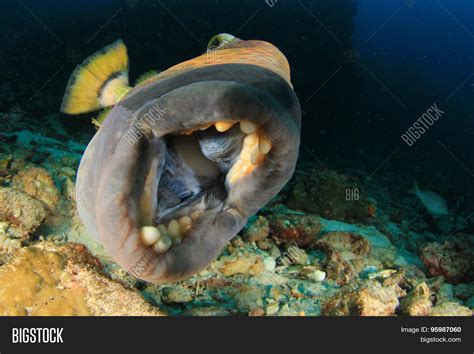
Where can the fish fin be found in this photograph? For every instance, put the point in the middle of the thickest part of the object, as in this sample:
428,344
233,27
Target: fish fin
100,118
415,188
145,76
99,81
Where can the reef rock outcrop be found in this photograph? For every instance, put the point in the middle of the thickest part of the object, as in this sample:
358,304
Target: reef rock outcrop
346,255
20,214
37,183
451,260
299,229
371,299
63,281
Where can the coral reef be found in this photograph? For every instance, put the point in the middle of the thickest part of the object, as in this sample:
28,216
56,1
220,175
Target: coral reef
417,302
451,260
252,265
346,255
39,274
257,229
299,229
58,281
20,214
37,183
450,309
371,299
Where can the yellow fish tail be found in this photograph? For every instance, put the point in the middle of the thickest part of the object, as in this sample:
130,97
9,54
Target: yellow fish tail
100,81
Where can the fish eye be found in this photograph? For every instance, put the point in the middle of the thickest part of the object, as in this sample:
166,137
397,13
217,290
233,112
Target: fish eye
219,40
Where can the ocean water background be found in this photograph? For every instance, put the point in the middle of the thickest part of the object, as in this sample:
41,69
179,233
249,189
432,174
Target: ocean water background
364,71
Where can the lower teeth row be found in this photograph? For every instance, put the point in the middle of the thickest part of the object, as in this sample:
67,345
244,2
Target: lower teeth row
161,238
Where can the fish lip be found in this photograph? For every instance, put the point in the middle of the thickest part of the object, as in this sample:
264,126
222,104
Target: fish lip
200,247
118,215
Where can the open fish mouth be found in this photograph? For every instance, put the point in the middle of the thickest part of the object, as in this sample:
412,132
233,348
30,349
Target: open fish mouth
180,164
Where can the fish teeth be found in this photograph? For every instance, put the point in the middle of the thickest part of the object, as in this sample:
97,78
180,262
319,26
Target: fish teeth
149,235
163,229
196,214
162,237
255,157
163,244
185,220
174,231
224,126
204,126
173,228
185,224
264,145
251,139
248,127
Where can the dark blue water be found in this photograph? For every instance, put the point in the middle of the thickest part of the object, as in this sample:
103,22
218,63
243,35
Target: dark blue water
364,71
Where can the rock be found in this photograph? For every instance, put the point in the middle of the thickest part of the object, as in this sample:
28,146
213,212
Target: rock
21,213
405,278
289,229
250,265
464,291
445,294
330,195
207,311
68,189
272,308
57,283
70,160
269,246
450,309
371,299
383,274
176,295
293,255
37,183
451,260
5,160
312,273
417,302
38,274
265,245
258,312
257,229
67,171
249,297
279,293
346,255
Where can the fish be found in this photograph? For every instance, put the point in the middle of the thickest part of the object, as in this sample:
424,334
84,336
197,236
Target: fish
435,203
185,157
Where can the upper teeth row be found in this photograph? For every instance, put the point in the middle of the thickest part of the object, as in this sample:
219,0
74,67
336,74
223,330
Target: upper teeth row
247,127
250,129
